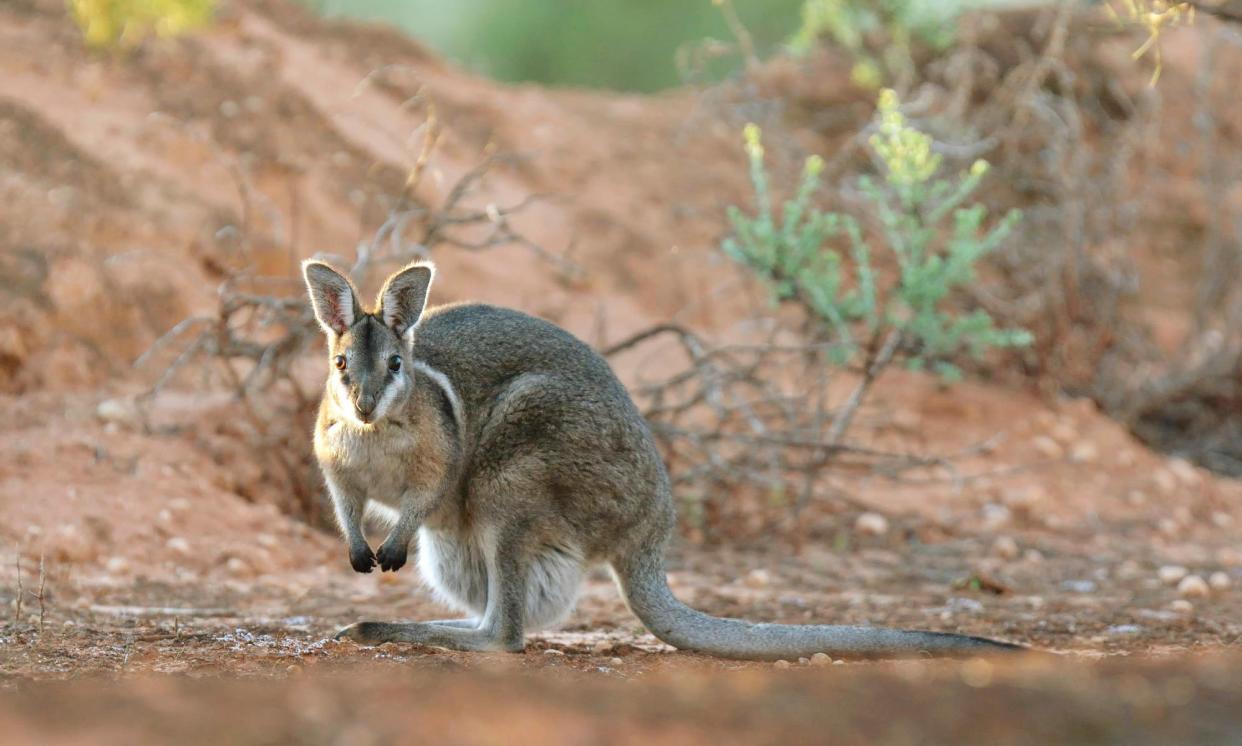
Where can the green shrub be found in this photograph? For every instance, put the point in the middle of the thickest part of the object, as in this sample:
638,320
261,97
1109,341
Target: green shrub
926,221
108,23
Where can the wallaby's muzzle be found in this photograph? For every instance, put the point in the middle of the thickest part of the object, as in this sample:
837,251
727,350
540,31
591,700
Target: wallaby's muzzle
365,406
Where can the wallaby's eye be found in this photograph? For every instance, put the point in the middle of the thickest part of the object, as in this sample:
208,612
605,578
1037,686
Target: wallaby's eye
339,362
394,363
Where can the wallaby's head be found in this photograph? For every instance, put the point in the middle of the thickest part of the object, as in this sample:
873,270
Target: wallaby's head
369,351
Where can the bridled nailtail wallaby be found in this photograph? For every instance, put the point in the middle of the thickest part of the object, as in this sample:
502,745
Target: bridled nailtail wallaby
512,450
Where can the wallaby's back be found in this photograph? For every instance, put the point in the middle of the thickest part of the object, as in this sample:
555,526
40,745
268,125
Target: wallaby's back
534,393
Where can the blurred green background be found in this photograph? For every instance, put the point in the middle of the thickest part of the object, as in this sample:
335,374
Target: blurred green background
627,45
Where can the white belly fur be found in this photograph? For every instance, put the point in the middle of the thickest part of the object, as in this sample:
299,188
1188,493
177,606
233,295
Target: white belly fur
454,566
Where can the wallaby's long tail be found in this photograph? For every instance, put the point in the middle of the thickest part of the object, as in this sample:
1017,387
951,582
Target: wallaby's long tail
646,590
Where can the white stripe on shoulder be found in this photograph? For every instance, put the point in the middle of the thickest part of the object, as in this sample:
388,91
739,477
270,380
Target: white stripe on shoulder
444,383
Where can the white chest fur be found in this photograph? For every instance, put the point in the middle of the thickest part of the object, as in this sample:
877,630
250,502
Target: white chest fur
374,459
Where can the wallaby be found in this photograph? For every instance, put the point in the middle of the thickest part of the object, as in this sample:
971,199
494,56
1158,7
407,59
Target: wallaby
512,450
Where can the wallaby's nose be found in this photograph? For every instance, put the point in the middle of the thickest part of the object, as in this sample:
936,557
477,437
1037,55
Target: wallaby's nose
365,406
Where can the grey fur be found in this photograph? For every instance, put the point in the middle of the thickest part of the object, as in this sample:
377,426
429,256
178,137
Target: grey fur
520,460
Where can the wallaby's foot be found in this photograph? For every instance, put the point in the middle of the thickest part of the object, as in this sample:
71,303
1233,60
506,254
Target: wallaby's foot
362,558
424,633
392,555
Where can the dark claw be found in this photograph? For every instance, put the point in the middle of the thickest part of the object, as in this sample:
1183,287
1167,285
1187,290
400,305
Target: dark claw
391,556
362,558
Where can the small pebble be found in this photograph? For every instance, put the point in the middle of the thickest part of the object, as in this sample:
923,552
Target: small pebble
1185,471
821,659
995,516
1084,452
1005,547
804,661
179,545
553,651
1182,606
615,661
1193,586
1047,447
116,565
758,578
1219,581
781,664
1166,482
1171,574
871,524
601,647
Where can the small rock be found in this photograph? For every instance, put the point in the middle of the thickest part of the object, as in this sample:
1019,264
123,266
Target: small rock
1185,471
1079,586
1166,482
116,411
293,670
965,605
804,661
237,567
116,565
615,661
821,659
266,540
1136,497
1047,447
1124,629
1220,581
1222,520
1229,557
758,578
1193,586
1084,452
781,664
178,545
871,524
1033,555
1168,526
1182,606
838,663
179,505
553,652
1171,574
1005,547
995,516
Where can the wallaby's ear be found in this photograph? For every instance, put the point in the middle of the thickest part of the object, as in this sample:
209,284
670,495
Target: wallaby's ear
332,296
404,297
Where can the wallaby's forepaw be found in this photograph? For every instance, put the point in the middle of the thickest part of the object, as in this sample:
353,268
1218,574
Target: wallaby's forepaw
362,558
391,555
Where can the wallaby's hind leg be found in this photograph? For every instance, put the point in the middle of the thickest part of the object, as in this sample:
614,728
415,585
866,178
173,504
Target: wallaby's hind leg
503,623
